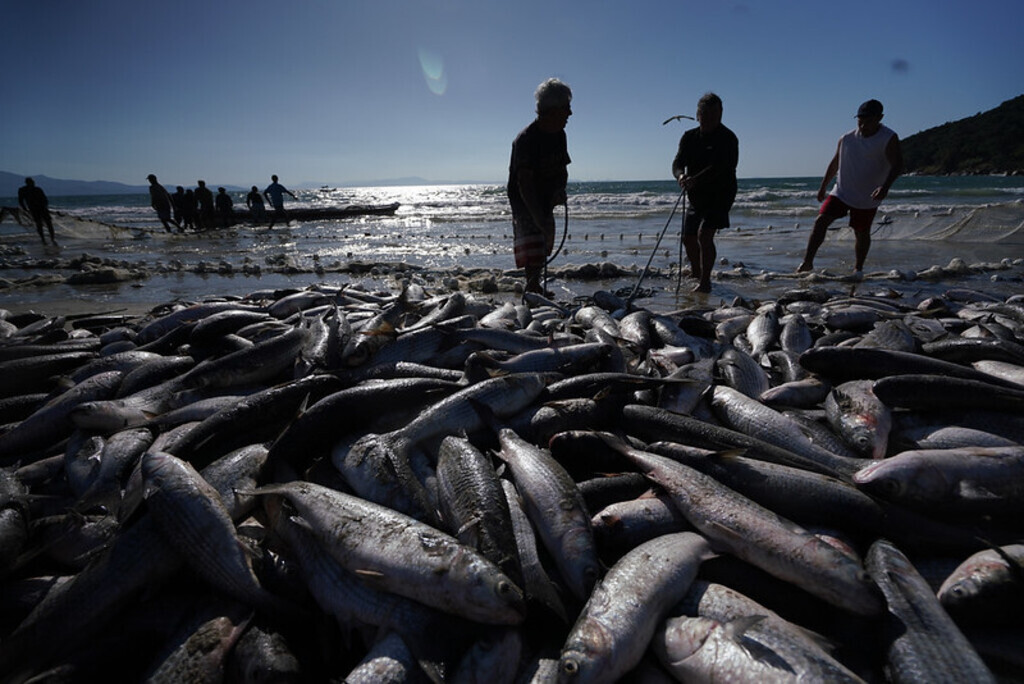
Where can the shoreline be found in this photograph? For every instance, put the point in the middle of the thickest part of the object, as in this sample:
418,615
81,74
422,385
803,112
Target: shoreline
91,286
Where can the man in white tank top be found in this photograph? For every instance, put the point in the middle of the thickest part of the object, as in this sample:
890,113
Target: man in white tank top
867,161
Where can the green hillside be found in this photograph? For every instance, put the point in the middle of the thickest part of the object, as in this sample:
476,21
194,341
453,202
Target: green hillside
988,142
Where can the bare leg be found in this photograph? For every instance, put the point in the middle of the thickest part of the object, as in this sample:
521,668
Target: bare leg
533,278
708,254
817,237
861,247
693,253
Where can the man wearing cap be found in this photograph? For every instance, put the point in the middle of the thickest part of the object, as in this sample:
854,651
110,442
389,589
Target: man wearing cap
867,161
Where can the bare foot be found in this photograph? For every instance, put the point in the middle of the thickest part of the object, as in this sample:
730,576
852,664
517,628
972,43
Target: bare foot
702,287
804,267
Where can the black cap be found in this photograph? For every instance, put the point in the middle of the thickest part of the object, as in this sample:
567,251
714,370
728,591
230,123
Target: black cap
871,108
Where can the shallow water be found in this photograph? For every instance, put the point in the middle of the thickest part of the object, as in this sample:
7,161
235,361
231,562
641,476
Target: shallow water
442,230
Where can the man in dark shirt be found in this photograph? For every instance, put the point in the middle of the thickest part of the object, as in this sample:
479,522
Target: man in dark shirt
705,167
32,199
162,202
204,198
537,176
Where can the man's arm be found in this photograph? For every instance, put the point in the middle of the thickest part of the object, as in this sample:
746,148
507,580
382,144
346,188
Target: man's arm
830,173
679,164
894,153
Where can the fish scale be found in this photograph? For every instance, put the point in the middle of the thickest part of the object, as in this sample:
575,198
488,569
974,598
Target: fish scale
923,642
192,517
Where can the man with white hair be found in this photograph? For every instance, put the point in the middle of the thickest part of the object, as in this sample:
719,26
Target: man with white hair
537,177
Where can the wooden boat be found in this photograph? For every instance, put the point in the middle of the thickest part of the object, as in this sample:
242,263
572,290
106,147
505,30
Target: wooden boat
325,213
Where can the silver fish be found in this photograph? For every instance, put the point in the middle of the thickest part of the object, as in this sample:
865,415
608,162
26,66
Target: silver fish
922,641
473,504
735,524
985,588
978,481
555,506
860,417
396,553
52,422
620,617
192,517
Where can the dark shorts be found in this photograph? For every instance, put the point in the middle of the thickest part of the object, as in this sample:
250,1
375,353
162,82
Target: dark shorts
531,243
835,208
707,221
164,213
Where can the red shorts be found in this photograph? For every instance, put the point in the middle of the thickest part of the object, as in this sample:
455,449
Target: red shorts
860,219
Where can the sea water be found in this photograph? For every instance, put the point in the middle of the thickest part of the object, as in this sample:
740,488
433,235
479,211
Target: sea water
924,222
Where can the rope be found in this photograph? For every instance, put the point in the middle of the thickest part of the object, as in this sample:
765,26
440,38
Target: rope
565,233
636,288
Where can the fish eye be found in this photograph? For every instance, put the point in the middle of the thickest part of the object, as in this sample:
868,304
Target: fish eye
570,666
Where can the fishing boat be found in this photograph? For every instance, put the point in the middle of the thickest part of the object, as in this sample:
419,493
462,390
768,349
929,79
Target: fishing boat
327,213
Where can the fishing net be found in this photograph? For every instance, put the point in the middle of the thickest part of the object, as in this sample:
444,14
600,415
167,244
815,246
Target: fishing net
68,226
988,223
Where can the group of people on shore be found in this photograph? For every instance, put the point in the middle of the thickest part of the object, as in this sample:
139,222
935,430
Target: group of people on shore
200,210
867,161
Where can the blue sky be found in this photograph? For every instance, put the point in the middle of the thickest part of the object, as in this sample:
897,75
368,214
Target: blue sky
336,91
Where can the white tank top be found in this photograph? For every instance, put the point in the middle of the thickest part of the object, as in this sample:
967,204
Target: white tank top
863,167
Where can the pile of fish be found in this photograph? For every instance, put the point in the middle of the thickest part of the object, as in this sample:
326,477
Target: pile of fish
336,484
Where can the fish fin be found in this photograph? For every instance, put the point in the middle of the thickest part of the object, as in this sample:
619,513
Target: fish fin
1016,569
727,455
977,491
730,533
472,522
738,627
369,574
487,415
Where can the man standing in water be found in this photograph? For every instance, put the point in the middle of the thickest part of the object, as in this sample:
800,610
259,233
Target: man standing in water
204,198
275,193
161,200
705,167
867,161
537,176
32,199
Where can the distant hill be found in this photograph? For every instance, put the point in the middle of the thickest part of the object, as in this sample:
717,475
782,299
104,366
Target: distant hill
54,187
988,142
57,187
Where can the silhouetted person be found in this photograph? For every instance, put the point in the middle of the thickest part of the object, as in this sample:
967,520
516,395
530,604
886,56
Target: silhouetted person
537,176
867,161
177,204
189,211
705,168
275,193
257,210
32,199
204,197
225,208
161,201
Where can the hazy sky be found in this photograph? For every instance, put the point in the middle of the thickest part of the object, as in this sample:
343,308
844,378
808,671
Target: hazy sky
335,91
